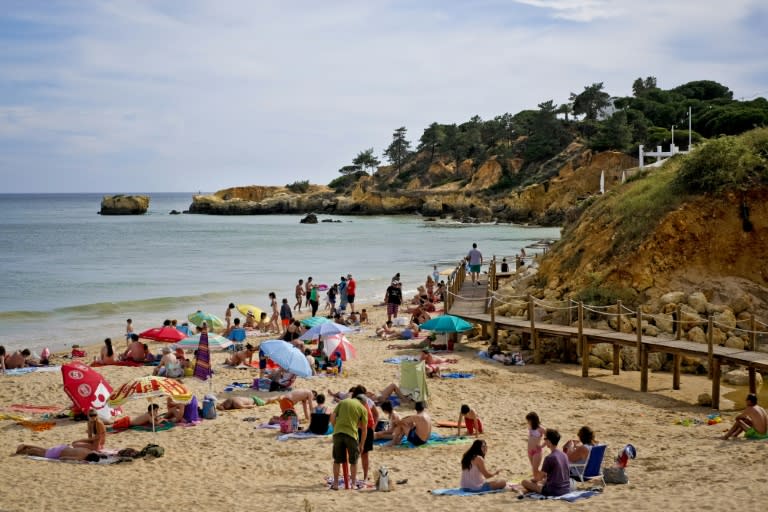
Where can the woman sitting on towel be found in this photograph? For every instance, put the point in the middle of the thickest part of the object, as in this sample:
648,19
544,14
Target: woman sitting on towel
241,357
474,475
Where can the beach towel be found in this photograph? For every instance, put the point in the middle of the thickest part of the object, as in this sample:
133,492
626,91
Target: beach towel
400,359
30,369
458,491
570,497
304,434
117,363
457,375
434,440
270,426
35,409
159,427
111,459
35,426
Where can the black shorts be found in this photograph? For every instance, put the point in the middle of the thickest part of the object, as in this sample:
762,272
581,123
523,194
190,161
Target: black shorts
368,446
345,449
351,299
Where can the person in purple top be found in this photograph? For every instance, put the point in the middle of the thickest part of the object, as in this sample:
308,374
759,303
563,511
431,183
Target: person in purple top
553,479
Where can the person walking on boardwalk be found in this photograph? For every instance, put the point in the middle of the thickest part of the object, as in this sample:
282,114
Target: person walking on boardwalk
475,262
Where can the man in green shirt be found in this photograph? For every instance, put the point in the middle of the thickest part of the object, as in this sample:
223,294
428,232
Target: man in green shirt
349,416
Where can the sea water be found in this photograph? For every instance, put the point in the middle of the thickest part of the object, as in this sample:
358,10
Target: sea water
72,276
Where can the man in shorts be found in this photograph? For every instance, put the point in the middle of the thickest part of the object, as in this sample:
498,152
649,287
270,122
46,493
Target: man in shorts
753,421
348,416
475,262
351,290
393,298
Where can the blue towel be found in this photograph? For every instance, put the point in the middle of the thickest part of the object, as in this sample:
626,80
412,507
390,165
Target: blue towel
400,359
434,439
570,497
457,375
458,491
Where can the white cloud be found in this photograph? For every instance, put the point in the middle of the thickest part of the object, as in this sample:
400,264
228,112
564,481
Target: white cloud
204,95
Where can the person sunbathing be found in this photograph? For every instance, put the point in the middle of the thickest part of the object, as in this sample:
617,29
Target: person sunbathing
296,397
175,411
416,428
59,452
148,418
386,331
242,357
240,402
386,432
388,391
19,359
433,363
135,351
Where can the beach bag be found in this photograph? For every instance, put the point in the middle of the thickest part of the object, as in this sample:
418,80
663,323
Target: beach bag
209,407
289,422
130,453
382,480
152,450
191,411
615,475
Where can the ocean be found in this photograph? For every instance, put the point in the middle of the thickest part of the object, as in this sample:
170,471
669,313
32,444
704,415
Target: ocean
72,276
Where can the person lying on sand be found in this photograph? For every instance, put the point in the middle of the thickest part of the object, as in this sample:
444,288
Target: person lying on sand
433,363
175,411
147,418
382,397
240,402
419,344
298,396
59,452
753,420
386,331
416,428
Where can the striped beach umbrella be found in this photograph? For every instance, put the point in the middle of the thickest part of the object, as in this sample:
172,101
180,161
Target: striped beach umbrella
203,365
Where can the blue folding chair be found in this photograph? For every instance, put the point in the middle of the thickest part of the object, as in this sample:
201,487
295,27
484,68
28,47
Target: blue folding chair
592,468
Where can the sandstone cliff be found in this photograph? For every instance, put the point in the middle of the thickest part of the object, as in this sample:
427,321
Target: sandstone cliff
124,205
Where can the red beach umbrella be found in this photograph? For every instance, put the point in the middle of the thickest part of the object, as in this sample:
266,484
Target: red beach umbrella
166,333
87,388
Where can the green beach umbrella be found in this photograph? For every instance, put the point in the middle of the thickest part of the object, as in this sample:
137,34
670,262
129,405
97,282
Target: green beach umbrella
200,317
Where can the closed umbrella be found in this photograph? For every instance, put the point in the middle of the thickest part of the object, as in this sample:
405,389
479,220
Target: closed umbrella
287,356
203,365
166,333
200,317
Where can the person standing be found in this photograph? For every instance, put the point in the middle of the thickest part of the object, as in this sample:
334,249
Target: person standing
342,295
313,300
286,315
351,290
553,479
307,289
348,416
475,262
299,295
274,326
393,298
435,274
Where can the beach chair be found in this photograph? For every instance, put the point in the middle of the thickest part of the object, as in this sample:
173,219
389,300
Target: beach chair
592,468
413,380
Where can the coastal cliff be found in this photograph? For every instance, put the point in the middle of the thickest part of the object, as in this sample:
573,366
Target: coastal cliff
467,194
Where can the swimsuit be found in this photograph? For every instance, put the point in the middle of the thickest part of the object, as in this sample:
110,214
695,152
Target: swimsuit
414,438
55,452
535,434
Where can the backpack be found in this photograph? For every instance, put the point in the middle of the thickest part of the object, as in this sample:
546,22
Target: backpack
152,450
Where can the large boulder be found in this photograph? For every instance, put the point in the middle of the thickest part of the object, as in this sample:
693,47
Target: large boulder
698,301
309,219
740,377
124,205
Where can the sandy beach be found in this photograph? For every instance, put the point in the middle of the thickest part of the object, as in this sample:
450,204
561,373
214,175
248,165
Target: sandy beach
228,464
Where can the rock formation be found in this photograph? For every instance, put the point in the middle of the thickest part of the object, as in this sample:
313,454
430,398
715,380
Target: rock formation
124,205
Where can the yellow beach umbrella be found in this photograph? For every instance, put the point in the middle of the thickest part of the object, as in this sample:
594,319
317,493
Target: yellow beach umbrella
245,308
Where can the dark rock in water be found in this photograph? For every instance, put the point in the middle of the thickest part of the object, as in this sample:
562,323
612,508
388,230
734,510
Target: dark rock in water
309,219
430,219
327,220
124,205
174,212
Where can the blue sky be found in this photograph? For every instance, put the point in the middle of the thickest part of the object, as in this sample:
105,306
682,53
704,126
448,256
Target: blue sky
120,96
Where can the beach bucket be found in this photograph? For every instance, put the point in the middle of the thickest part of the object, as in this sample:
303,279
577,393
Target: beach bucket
209,407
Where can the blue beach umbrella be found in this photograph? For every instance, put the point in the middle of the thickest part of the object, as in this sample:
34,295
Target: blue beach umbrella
324,329
287,357
446,323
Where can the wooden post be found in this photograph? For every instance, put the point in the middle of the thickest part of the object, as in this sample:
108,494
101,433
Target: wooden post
583,344
618,320
752,380
752,333
710,347
639,332
643,368
679,322
716,384
676,360
493,320
534,337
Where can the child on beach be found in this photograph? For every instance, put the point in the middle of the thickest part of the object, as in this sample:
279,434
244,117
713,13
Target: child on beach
128,332
228,315
364,317
535,440
471,421
286,315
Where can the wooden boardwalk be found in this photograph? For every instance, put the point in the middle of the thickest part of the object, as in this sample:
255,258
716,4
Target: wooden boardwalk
473,303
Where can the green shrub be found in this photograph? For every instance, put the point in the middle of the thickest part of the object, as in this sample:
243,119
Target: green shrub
299,187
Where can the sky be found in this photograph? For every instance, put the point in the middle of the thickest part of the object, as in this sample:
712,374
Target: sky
187,95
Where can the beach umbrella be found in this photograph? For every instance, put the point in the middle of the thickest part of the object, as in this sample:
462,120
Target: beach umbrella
150,387
245,308
200,317
339,343
324,329
214,341
446,323
166,333
203,365
88,389
314,320
287,356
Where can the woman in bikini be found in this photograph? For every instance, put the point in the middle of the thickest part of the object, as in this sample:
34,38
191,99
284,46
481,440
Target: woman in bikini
535,441
97,434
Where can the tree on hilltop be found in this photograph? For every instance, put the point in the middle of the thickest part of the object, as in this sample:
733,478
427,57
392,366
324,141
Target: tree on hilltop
640,86
398,151
590,101
431,139
366,160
